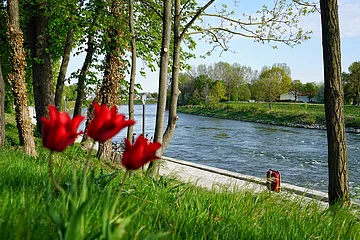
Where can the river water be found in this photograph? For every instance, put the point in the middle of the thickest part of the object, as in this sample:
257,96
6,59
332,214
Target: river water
252,148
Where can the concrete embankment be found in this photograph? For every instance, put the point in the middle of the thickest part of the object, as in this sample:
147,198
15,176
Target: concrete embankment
210,177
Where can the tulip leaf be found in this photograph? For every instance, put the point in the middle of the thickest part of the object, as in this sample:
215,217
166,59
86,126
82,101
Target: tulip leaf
75,222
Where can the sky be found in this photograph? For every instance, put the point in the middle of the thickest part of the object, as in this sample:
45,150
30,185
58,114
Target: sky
304,60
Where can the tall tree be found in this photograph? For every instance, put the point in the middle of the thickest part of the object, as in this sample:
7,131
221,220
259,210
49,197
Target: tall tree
296,88
163,75
114,66
180,34
334,104
41,61
310,89
63,68
133,67
271,83
95,8
2,108
352,82
17,80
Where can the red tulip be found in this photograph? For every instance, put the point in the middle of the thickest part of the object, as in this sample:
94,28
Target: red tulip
140,153
106,123
59,131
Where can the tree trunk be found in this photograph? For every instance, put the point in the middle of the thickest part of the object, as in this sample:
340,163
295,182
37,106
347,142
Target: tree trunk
2,109
133,68
163,74
112,74
82,77
172,117
334,104
63,69
17,80
41,62
90,115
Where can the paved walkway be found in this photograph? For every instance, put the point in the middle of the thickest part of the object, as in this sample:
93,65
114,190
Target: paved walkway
210,177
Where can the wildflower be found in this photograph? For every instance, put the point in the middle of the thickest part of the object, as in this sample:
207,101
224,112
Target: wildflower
140,153
59,131
106,123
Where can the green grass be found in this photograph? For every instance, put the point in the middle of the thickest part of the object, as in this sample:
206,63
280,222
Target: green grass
288,114
178,210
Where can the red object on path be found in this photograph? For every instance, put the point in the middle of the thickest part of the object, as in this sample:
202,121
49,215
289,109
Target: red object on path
273,180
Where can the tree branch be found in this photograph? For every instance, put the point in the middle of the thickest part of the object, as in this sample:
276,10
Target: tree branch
198,13
150,5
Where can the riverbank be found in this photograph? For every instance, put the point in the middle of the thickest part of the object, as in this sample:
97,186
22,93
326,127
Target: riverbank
310,116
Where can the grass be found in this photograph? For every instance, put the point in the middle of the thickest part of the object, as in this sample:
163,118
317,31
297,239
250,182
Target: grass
165,209
288,114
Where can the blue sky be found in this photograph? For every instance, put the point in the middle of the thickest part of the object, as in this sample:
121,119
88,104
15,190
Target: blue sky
305,60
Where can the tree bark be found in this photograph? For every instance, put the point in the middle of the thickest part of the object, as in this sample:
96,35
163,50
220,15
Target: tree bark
2,109
41,61
63,69
17,80
164,63
133,68
82,77
112,74
334,104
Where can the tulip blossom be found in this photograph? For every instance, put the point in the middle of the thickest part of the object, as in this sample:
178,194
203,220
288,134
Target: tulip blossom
106,123
140,153
59,130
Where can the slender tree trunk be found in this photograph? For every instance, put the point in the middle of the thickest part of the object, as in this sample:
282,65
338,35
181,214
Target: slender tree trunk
90,115
112,73
334,104
164,63
41,61
82,77
133,68
2,109
172,117
17,80
63,69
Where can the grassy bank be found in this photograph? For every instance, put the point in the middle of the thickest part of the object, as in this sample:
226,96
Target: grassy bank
166,208
287,114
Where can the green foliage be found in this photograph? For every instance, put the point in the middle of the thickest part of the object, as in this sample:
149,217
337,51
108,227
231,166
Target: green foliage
70,92
271,83
195,85
217,92
287,114
310,89
351,84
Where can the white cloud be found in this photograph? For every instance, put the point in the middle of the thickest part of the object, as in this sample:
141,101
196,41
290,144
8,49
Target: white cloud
349,18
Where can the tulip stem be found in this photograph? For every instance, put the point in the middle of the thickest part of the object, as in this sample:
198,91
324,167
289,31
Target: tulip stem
86,170
127,172
52,177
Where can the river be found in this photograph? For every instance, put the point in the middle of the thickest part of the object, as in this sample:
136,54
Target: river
252,148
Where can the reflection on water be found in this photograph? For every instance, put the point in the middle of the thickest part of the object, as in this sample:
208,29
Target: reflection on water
251,148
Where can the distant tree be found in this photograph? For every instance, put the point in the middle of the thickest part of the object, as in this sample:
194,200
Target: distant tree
295,89
320,94
187,88
351,83
310,89
334,105
70,92
217,92
271,83
244,92
349,95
